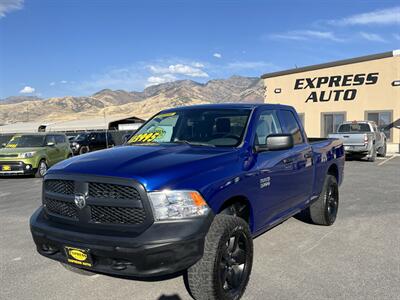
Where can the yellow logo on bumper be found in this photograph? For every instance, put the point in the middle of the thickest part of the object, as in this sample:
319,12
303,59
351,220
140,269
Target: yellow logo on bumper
78,255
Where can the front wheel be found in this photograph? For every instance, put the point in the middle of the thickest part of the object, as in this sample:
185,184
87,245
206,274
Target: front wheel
42,169
224,270
324,210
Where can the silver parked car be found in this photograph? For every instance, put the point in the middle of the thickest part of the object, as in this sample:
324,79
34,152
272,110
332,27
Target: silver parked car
361,138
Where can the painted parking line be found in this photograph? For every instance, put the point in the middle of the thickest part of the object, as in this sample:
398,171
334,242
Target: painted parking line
385,161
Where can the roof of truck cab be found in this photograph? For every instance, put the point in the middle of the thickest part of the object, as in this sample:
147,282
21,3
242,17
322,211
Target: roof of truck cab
230,105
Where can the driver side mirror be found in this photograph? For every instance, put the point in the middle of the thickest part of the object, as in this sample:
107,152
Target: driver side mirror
50,144
276,142
3,145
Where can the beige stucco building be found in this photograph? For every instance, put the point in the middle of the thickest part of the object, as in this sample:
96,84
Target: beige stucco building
362,88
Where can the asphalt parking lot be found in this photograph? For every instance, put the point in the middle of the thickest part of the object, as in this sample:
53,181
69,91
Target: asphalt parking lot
357,258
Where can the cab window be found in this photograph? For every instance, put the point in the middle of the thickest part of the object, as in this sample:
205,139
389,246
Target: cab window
291,126
267,124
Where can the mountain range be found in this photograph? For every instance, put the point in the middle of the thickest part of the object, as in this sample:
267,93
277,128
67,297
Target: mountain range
123,103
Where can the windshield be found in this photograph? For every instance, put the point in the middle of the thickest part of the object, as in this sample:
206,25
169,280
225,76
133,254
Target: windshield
26,141
204,127
4,139
354,127
81,137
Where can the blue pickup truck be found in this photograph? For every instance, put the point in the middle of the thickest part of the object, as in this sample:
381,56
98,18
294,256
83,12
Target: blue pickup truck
188,192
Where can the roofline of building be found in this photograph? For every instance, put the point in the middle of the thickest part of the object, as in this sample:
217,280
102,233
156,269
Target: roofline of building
333,64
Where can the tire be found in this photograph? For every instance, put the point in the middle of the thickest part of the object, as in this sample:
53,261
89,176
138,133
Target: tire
372,155
224,270
324,210
42,169
84,149
382,152
77,270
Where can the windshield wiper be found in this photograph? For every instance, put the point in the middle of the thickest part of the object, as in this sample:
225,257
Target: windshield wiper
193,143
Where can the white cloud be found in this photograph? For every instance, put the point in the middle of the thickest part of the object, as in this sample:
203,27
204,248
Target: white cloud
27,90
303,35
52,83
380,17
179,69
372,37
198,65
63,81
154,80
7,6
217,55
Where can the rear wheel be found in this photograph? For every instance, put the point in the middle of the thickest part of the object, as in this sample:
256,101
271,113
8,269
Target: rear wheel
372,154
224,270
325,209
382,150
42,169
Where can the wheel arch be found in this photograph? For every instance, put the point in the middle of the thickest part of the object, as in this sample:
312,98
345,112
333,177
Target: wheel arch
334,171
241,199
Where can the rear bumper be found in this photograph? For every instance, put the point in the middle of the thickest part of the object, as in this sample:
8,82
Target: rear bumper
10,168
359,149
164,248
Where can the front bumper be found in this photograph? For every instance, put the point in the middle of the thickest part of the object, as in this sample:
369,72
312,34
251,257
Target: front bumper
8,168
164,248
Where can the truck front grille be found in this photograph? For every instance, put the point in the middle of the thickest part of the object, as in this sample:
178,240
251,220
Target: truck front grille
61,208
108,202
117,215
65,187
112,191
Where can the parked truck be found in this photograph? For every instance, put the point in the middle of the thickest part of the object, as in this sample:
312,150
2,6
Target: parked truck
189,192
362,139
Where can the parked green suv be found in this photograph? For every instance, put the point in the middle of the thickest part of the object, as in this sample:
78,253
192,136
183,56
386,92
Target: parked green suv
33,154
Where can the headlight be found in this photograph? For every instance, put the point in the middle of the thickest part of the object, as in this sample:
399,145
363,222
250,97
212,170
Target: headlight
75,144
177,204
26,155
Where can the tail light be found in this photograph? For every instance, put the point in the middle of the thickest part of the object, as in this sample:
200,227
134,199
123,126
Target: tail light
365,139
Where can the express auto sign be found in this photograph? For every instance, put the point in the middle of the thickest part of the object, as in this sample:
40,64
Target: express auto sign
335,88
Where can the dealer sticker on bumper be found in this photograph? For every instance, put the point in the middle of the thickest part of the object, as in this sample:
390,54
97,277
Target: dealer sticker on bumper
6,168
78,256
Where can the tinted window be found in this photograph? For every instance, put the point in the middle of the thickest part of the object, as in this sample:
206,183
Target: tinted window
291,126
50,139
356,127
23,141
60,139
267,124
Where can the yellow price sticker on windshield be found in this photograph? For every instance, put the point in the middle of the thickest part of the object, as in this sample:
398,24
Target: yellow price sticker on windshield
144,137
11,146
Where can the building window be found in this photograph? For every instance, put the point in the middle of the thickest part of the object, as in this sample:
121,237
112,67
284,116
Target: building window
331,122
383,119
301,117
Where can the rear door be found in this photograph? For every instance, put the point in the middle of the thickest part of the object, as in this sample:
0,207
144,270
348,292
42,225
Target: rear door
274,180
300,161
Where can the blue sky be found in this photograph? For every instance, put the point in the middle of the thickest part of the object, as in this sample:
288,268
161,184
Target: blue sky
57,47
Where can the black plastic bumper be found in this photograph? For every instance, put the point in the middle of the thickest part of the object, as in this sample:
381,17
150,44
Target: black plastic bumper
16,168
164,248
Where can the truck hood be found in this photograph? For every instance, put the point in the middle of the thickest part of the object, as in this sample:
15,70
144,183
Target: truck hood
156,167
